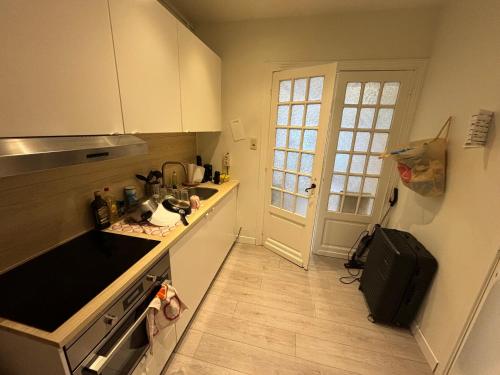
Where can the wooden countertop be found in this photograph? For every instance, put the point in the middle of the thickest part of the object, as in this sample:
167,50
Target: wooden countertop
68,331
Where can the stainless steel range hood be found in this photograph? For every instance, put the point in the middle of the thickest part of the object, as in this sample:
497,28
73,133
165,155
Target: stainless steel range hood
25,155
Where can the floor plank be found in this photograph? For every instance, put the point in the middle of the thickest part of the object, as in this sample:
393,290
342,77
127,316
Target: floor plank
252,333
252,360
272,299
356,359
183,365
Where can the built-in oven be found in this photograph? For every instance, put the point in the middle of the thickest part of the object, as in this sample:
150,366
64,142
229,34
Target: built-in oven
124,344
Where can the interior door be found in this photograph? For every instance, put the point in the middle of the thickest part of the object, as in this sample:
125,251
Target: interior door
301,102
367,119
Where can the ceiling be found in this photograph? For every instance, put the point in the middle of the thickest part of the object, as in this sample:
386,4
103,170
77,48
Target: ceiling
199,11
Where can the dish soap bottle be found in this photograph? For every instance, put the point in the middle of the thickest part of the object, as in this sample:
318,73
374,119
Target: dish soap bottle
100,211
112,206
174,180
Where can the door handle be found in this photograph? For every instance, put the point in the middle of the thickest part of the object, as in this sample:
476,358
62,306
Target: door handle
313,186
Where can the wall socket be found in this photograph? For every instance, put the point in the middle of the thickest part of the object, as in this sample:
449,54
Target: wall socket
253,143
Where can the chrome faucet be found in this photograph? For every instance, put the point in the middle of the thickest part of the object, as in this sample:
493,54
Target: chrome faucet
183,165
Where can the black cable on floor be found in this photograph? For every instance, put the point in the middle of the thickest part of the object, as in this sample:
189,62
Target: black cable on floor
353,277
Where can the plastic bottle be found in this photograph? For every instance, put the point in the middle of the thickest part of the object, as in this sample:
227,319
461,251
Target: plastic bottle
101,211
112,206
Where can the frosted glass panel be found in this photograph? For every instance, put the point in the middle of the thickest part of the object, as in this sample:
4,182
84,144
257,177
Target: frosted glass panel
306,163
288,202
370,186
362,141
345,141
281,137
374,165
301,206
304,183
389,93
358,163
333,203
299,89
354,184
341,161
379,142
348,118
309,143
366,118
282,115
370,94
279,159
352,92
276,198
278,179
297,115
384,118
290,179
350,203
294,139
312,114
338,182
292,161
365,206
316,88
285,87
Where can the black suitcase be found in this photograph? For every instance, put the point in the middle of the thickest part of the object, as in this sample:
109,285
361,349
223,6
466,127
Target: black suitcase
397,274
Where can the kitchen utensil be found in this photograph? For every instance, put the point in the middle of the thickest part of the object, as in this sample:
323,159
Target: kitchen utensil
141,177
181,207
164,218
144,210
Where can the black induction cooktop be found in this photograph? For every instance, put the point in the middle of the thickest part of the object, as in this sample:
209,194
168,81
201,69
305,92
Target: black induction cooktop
47,290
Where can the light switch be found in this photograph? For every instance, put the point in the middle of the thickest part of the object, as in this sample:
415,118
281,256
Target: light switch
253,143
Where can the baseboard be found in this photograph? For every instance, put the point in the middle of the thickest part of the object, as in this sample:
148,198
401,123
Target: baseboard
332,253
424,346
287,252
246,240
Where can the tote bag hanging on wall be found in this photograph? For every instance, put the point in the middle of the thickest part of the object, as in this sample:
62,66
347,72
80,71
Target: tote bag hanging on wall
422,164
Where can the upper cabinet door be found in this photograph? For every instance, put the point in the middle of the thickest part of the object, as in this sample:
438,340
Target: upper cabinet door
200,73
57,69
145,36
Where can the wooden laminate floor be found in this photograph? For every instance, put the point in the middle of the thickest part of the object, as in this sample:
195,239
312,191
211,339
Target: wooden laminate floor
264,315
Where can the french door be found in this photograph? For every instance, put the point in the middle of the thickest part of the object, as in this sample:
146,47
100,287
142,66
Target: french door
367,119
301,103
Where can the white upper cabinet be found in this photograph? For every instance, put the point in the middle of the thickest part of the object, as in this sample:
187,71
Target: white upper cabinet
200,75
145,37
57,69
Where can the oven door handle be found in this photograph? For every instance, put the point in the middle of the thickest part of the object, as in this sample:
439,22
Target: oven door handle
98,365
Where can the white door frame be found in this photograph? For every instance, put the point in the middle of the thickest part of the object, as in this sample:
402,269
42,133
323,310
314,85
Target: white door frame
418,66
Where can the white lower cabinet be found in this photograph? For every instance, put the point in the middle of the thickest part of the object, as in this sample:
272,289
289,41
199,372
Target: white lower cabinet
195,259
194,262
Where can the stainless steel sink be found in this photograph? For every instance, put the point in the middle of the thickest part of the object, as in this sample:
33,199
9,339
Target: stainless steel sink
203,192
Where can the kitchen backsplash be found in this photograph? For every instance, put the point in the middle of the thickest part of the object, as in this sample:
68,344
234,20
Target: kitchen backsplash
41,210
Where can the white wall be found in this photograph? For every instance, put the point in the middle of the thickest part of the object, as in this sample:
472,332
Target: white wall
247,50
461,228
